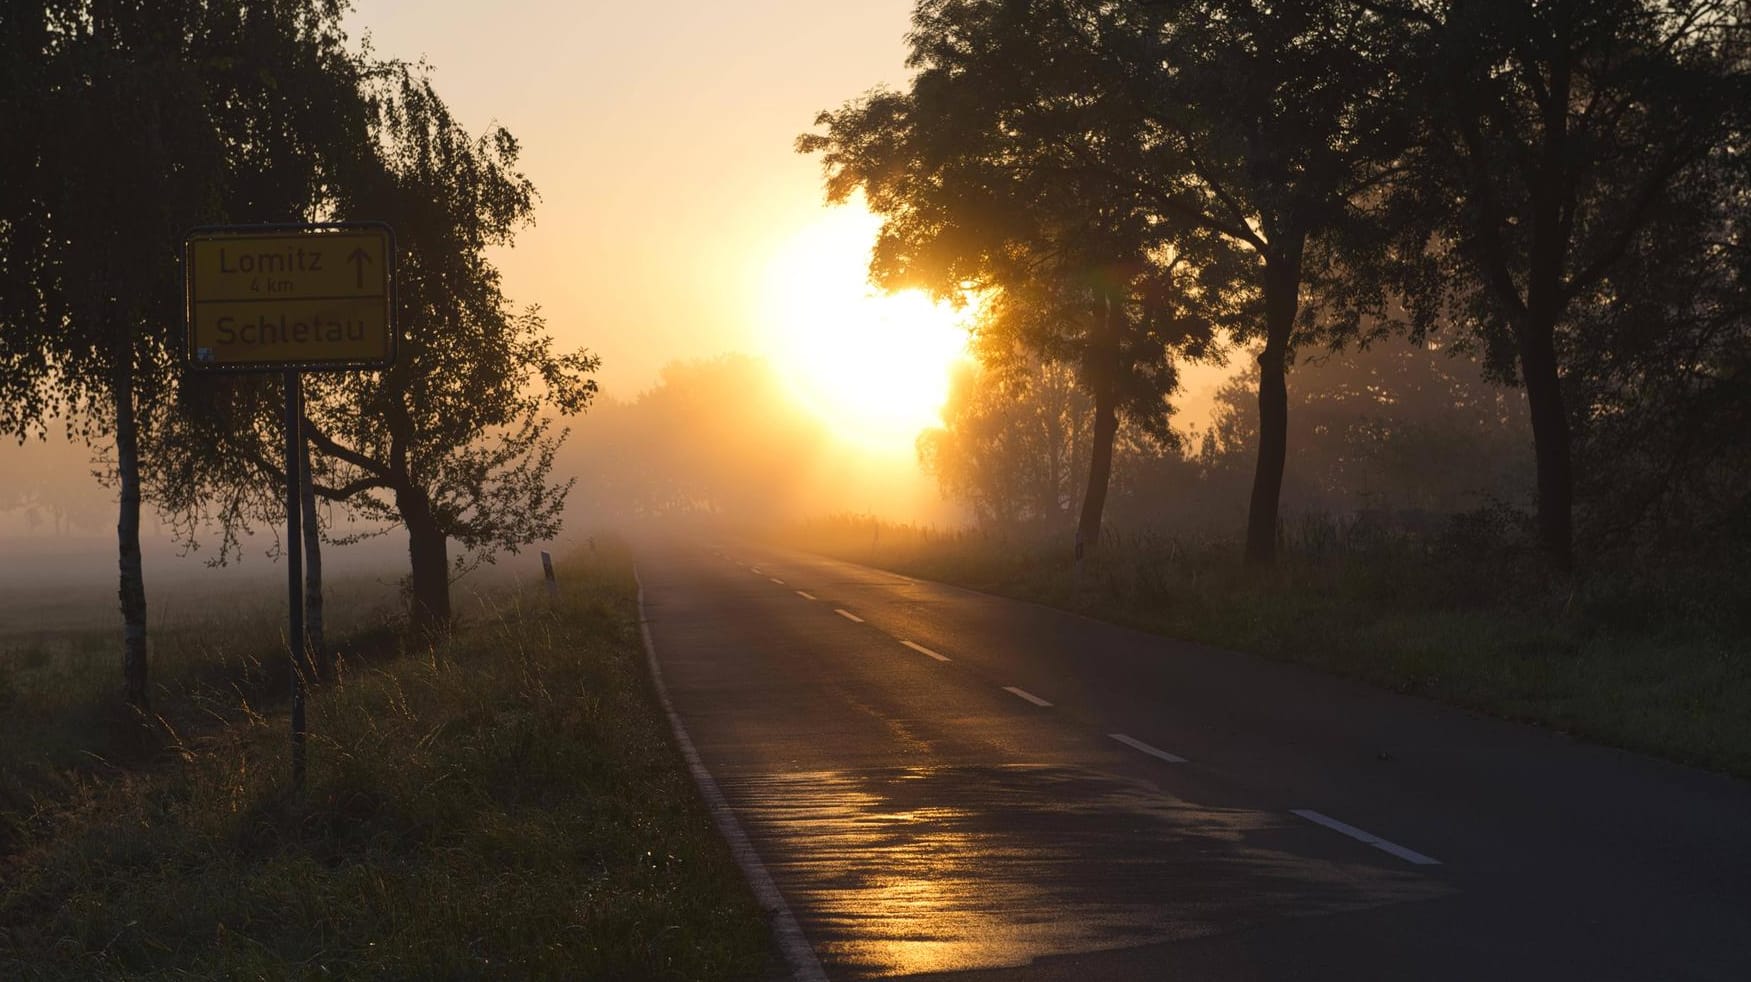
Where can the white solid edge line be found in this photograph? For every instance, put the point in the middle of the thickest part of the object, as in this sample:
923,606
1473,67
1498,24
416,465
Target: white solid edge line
804,965
848,615
1023,693
776,580
1408,855
806,595
1136,744
924,651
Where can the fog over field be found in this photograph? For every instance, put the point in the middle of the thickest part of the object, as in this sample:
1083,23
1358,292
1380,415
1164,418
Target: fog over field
729,440
58,552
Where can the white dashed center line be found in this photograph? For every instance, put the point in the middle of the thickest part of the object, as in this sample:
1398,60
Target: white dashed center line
1136,744
1408,855
776,580
805,595
1024,694
924,651
848,615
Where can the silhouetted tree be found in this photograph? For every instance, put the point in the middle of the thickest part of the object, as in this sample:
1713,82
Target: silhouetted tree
1275,128
1557,135
128,124
1394,427
456,440
1007,170
1659,395
723,436
1015,438
458,433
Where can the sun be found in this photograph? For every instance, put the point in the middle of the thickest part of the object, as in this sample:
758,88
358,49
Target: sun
875,366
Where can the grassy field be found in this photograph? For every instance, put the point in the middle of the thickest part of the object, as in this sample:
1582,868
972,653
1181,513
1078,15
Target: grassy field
1657,661
508,804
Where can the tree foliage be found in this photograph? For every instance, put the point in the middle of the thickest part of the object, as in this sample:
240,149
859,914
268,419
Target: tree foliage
1555,185
1561,142
1014,441
1007,171
1210,156
126,125
456,441
1401,435
1394,427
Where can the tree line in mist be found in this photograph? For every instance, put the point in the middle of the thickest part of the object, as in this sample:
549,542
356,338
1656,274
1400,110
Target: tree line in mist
1399,435
126,125
1555,188
1404,434
728,438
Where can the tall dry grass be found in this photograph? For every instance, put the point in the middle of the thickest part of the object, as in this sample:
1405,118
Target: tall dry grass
505,804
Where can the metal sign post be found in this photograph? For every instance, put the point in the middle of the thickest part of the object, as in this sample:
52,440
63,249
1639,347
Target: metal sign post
299,644
291,299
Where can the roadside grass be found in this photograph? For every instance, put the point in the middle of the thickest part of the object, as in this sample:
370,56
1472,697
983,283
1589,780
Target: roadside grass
1657,661
506,804
211,663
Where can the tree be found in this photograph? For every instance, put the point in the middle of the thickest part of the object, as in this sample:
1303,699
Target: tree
457,432
1556,135
1015,437
1274,128
1247,142
456,440
129,124
1394,427
1004,172
1659,396
724,436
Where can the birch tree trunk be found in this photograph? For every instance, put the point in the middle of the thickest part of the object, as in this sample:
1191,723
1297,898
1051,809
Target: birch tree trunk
132,591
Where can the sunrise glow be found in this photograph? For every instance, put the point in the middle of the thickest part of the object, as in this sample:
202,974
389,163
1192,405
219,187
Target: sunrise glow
875,366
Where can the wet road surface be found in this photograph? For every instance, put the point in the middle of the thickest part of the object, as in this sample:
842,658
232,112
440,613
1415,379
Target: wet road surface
940,781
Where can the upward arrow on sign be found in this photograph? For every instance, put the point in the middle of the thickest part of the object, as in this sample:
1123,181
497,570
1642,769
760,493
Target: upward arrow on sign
280,297
359,258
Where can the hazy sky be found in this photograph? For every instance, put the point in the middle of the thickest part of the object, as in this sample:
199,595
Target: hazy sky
659,136
675,220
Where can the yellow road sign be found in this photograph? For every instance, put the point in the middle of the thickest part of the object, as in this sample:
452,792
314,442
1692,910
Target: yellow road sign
304,296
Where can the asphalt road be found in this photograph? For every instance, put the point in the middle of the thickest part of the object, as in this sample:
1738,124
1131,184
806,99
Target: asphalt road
942,781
